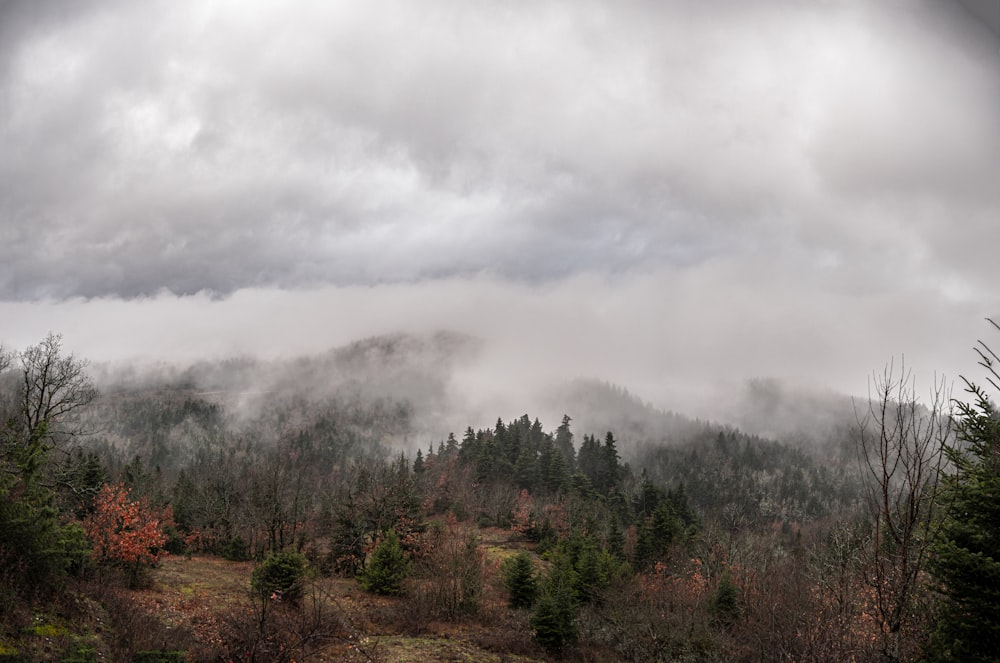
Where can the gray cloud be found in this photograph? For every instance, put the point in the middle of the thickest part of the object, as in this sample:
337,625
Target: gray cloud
189,147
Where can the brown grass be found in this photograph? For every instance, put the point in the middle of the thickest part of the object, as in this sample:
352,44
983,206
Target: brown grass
202,594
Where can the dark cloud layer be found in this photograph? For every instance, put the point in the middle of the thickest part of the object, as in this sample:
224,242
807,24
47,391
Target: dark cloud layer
195,146
663,194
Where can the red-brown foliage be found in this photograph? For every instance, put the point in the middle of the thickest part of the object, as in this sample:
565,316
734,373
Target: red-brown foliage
124,530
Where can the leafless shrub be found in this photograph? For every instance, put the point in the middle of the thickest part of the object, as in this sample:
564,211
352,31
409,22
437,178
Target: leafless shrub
133,629
264,628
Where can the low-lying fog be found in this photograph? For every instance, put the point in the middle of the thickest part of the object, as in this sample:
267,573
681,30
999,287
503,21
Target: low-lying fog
709,349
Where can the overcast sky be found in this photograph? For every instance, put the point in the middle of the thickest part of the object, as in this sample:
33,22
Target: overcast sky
665,194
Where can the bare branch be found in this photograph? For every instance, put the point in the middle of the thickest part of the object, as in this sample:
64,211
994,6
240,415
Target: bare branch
53,389
900,448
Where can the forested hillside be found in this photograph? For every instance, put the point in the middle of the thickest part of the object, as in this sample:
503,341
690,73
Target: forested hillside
656,538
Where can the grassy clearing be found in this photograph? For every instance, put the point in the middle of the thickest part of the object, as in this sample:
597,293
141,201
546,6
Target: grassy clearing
199,593
401,649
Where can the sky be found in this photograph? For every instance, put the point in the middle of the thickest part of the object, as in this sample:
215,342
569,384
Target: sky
668,195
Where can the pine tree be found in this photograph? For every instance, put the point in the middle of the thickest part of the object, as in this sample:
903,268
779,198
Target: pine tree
966,561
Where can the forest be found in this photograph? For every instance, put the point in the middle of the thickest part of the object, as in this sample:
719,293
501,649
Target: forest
206,514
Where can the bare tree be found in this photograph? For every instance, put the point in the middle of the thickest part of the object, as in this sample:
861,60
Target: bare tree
53,389
900,443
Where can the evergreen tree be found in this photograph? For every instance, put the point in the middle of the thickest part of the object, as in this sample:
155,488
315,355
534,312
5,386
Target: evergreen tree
553,473
451,445
616,540
677,498
387,568
648,497
564,443
34,537
526,468
536,435
469,448
724,604
554,619
487,462
519,579
589,460
280,575
594,569
611,471
966,560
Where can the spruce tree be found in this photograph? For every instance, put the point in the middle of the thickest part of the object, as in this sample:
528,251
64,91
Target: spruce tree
724,604
280,574
519,579
387,568
564,443
554,619
966,560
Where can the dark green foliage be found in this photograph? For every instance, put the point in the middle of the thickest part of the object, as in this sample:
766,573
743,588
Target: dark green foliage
519,579
966,560
79,654
236,550
387,568
724,604
564,443
594,567
764,480
554,620
80,476
450,446
33,536
552,468
601,463
347,532
656,534
616,541
382,496
592,574
521,453
280,575
34,539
